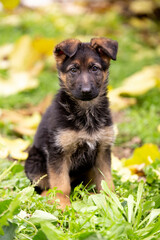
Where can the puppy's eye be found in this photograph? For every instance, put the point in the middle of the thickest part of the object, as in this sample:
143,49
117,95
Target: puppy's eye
94,68
73,70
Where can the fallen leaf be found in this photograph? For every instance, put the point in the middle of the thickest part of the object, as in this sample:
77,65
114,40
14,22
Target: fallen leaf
13,148
28,125
118,102
10,116
18,115
22,123
143,156
28,51
18,81
142,6
25,121
135,85
24,56
44,46
141,82
8,4
123,171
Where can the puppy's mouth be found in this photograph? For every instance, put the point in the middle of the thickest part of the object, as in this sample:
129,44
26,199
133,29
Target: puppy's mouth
88,97
85,96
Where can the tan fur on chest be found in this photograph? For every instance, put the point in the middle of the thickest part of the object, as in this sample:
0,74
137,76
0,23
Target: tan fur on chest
70,139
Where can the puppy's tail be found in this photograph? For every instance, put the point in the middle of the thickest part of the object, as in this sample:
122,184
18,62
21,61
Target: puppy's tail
36,168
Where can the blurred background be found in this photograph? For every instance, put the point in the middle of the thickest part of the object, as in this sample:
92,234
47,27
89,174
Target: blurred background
29,30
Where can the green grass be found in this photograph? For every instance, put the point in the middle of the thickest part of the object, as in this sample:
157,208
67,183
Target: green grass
142,119
130,213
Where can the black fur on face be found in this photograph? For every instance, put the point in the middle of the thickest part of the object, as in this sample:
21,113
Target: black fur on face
83,67
84,74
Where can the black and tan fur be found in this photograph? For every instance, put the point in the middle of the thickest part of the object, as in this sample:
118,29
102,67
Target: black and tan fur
74,138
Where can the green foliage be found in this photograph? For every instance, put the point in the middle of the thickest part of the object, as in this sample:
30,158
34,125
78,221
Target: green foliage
129,213
146,116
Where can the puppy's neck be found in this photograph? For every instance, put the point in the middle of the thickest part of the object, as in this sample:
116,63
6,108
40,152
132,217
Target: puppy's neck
88,115
86,105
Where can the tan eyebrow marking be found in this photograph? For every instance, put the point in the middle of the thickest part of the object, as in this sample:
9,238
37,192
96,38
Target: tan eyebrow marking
92,62
73,64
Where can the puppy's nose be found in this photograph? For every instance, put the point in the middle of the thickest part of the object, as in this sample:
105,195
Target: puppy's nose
86,89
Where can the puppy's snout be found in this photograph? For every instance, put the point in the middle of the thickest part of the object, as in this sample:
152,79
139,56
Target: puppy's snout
86,89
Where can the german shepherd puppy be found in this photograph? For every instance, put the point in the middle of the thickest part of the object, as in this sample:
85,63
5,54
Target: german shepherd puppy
73,141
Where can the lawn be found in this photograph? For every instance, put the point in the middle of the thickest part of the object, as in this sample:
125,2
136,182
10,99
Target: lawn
133,210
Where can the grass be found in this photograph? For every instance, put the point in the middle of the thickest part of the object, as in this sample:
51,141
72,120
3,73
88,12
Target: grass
142,119
132,212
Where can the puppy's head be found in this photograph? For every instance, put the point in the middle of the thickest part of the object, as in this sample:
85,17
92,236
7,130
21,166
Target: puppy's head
83,67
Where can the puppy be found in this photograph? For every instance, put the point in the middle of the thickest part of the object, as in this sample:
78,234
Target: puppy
73,141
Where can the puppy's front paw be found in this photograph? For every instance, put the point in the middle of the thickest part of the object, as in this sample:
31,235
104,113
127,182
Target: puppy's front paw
61,199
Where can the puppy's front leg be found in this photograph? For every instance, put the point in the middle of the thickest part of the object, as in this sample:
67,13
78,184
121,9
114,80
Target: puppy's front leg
59,177
102,169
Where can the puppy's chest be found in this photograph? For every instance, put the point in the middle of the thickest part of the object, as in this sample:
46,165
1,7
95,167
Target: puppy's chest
70,140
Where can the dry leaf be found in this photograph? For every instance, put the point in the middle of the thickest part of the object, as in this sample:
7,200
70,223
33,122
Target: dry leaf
22,124
44,46
123,171
141,82
16,116
23,61
142,156
13,148
8,4
10,116
137,84
26,121
118,102
28,125
142,6
18,81
24,56
28,51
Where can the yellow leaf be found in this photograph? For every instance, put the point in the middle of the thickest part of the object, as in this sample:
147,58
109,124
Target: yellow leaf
17,82
24,56
14,148
158,128
19,155
141,82
146,154
10,4
137,84
142,6
118,102
33,121
124,172
44,46
28,125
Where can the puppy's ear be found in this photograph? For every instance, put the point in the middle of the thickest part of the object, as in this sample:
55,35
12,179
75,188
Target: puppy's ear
66,48
105,46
